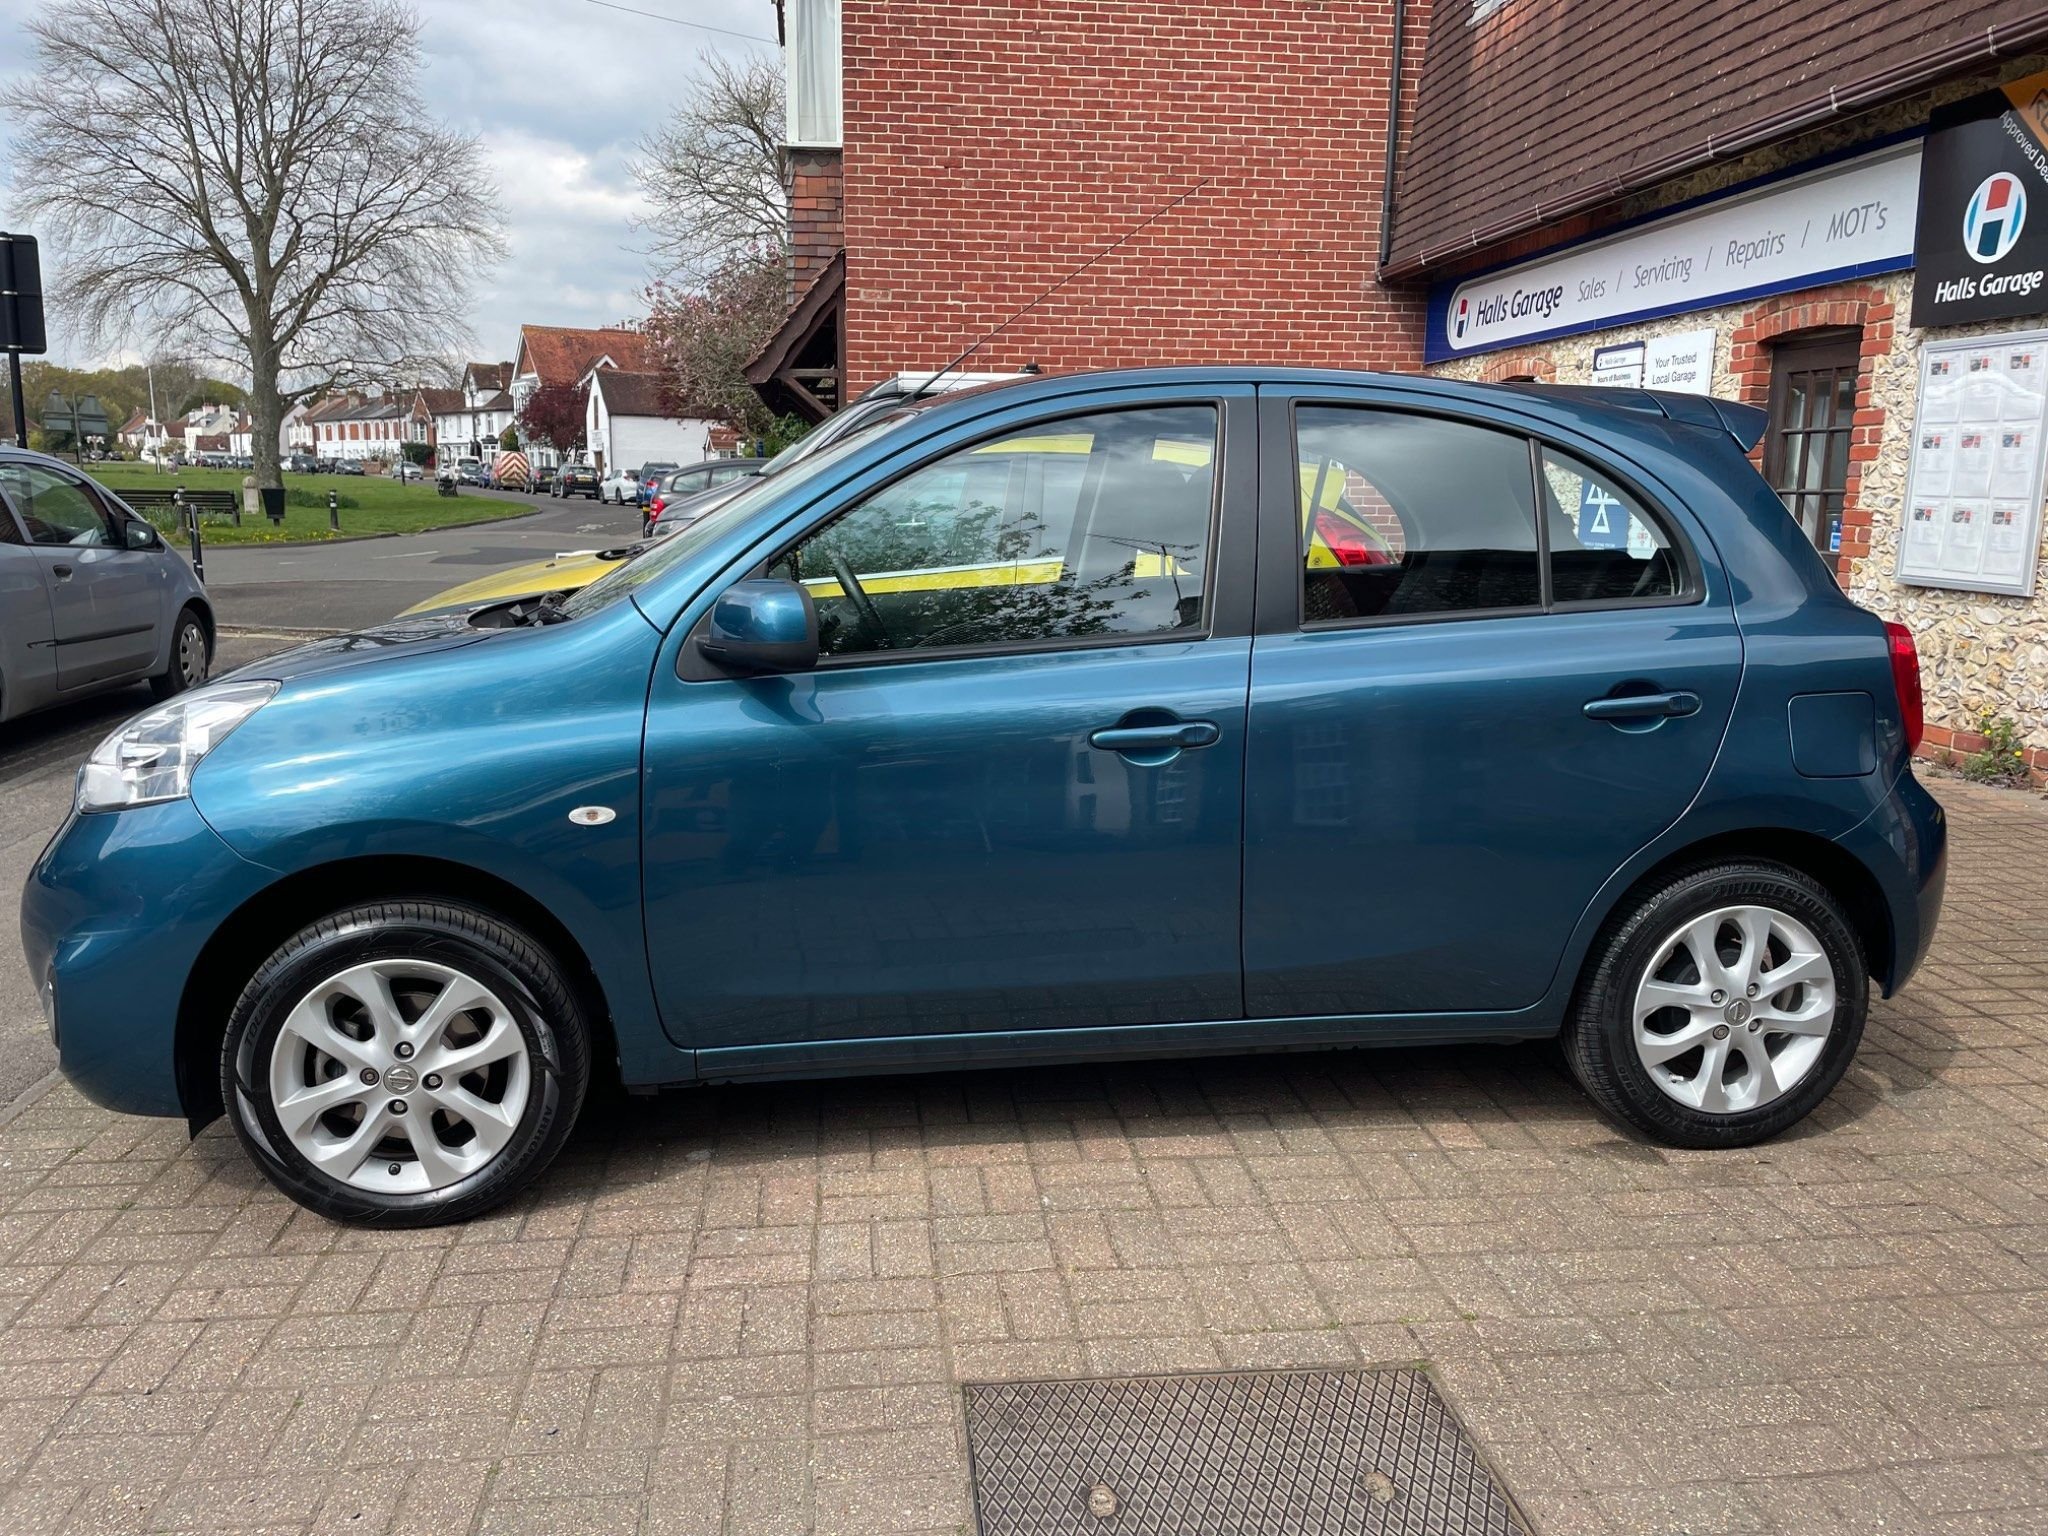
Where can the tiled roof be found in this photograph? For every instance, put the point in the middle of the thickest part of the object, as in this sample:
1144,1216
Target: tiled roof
440,402
559,355
631,394
488,375
1540,108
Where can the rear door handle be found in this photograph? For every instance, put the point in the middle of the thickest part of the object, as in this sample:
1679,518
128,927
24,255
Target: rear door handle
61,572
1643,706
1171,737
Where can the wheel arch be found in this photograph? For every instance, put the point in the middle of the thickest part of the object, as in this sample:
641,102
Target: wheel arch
1839,872
255,929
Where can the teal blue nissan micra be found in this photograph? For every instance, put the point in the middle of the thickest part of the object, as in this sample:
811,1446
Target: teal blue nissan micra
1126,714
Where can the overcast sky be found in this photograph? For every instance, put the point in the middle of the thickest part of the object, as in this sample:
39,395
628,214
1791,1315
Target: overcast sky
559,91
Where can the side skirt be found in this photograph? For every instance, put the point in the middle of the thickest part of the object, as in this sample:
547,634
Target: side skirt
1010,1048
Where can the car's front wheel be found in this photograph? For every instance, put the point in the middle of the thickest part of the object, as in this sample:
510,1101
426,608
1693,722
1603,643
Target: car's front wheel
191,657
1722,1007
405,1064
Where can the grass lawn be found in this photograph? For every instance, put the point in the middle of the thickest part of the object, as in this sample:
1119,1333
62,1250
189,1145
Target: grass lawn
369,503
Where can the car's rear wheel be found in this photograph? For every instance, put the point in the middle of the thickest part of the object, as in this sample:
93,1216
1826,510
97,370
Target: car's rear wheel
1722,1007
405,1064
191,657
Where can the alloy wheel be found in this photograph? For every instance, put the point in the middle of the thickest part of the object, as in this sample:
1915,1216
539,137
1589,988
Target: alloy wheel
400,1076
1734,1009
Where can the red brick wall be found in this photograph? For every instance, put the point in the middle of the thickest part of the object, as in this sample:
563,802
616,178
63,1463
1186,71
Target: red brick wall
815,235
992,148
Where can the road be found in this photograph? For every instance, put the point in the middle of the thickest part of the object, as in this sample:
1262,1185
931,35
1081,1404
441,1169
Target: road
364,581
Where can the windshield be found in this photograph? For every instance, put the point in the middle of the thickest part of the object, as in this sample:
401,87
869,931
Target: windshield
677,547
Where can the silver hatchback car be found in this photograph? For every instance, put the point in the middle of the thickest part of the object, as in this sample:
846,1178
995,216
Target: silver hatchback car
91,597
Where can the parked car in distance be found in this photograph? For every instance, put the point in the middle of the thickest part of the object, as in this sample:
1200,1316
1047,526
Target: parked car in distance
576,480
348,466
619,485
681,484
649,477
301,464
405,469
543,479
91,596
1617,758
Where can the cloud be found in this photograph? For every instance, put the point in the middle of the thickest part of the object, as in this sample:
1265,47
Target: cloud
559,92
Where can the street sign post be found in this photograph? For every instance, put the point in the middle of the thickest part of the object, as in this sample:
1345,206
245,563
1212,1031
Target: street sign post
21,316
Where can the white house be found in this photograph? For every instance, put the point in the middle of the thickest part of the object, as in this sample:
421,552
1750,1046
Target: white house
554,354
465,422
362,430
295,432
625,426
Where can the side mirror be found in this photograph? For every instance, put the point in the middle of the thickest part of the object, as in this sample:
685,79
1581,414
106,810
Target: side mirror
762,626
139,535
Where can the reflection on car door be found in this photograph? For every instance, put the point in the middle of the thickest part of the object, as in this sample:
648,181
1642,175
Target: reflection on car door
106,599
931,834
1430,805
28,659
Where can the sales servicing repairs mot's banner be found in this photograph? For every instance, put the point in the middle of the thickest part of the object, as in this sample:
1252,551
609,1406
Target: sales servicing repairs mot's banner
1981,245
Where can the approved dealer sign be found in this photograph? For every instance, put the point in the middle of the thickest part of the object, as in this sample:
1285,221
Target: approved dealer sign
1981,243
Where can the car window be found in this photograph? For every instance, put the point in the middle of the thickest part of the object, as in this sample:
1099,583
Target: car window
1405,515
1093,525
56,509
1604,545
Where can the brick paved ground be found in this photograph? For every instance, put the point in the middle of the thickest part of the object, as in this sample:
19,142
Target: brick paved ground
747,1310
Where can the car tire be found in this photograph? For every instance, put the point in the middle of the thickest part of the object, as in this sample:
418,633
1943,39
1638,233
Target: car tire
1711,1054
345,1011
191,656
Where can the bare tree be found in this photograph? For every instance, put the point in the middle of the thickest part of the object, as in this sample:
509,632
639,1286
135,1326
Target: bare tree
714,173
256,181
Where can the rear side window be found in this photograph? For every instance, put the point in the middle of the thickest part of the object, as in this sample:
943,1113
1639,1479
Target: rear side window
1407,515
1605,547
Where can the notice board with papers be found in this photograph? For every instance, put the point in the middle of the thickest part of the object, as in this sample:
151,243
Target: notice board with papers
1973,492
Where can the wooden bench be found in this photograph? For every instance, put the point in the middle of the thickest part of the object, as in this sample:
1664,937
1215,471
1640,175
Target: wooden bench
152,504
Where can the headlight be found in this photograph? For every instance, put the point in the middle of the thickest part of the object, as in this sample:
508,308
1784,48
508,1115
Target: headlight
151,758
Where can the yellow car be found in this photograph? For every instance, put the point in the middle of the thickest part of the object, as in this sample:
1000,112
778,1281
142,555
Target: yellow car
563,574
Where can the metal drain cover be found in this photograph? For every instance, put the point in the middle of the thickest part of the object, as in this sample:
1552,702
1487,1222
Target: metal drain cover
1286,1453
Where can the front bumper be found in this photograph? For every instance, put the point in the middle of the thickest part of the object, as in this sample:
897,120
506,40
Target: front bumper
113,919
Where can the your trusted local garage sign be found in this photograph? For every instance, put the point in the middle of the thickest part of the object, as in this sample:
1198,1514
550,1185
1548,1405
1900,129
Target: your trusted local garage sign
1851,218
1983,228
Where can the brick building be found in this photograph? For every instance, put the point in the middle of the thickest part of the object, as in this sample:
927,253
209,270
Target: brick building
1758,215
965,159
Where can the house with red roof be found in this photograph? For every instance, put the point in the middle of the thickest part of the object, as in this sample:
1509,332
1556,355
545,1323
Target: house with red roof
560,354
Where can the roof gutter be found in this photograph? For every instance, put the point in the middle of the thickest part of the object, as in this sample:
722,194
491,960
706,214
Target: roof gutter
1393,141
1998,41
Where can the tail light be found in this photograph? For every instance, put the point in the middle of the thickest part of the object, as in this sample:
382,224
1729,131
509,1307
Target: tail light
1906,679
1348,545
656,505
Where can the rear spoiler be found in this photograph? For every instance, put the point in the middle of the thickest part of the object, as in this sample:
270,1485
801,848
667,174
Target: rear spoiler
1744,423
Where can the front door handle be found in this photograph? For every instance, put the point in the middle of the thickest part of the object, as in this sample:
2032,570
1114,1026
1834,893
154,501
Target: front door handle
61,572
1643,706
1173,736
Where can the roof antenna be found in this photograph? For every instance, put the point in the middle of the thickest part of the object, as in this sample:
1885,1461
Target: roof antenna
1150,219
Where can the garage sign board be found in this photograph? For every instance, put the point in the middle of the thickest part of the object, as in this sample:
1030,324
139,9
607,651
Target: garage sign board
1973,492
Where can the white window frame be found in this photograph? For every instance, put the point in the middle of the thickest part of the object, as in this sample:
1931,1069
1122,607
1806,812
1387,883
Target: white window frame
811,65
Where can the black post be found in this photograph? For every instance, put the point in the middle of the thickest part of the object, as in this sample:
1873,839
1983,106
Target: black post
191,516
20,410
333,510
